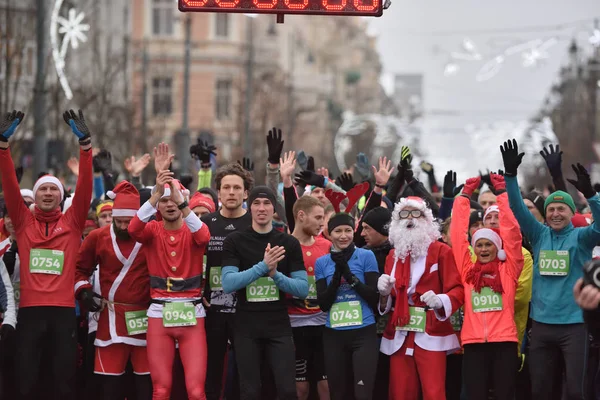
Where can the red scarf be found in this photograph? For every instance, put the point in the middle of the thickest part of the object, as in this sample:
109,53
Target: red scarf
47,217
476,276
401,316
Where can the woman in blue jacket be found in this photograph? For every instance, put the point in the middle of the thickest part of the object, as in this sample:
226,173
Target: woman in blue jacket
346,281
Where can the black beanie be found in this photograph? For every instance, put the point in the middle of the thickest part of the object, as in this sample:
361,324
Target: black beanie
378,219
537,199
340,219
476,216
476,206
262,192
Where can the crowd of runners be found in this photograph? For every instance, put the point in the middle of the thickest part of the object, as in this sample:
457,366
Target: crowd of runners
373,285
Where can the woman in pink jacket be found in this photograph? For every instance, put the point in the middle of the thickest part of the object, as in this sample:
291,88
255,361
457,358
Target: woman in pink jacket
489,333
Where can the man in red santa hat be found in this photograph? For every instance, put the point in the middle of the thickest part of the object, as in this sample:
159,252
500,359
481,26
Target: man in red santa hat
125,290
421,286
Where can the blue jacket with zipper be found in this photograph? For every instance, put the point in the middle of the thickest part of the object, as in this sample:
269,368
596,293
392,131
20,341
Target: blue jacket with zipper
552,300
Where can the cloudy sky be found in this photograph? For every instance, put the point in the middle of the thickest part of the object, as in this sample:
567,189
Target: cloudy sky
418,37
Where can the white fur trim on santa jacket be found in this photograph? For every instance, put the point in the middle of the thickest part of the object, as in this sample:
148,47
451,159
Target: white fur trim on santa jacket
437,272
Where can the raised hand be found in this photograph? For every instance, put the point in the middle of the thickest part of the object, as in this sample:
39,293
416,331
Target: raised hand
73,165
310,164
78,125
382,175
362,164
427,167
449,184
406,157
307,177
511,157
136,166
323,171
274,145
553,157
162,157
583,182
345,181
247,164
287,165
9,124
176,194
102,161
471,185
163,178
498,183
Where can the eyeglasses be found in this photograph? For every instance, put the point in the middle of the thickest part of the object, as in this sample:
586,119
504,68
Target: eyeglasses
414,213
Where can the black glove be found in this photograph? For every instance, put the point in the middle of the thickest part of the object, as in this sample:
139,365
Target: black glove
186,180
78,125
485,178
310,178
553,159
345,181
9,124
6,332
275,145
310,164
409,175
511,157
583,182
246,164
102,162
202,151
347,274
458,189
86,296
449,184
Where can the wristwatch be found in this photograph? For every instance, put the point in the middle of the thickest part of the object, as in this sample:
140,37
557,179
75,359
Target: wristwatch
183,205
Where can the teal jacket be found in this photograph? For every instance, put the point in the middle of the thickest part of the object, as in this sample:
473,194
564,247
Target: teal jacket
552,299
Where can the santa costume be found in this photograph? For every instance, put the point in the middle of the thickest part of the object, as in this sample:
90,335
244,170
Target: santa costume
124,287
423,289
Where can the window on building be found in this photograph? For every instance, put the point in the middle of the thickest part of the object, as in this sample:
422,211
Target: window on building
222,25
223,99
162,17
162,96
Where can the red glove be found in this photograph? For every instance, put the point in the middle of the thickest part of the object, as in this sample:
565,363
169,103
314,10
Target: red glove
498,182
471,185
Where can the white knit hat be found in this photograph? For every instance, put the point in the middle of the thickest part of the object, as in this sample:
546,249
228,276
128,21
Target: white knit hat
27,193
490,210
49,179
492,236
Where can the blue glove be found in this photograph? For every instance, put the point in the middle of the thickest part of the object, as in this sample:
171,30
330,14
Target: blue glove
302,159
77,124
9,124
362,164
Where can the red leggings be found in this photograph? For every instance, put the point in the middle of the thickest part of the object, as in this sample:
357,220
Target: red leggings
161,352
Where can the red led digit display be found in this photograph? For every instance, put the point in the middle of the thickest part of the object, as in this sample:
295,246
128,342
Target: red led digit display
318,7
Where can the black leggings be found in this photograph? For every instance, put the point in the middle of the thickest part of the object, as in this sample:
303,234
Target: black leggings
351,362
482,360
52,331
115,387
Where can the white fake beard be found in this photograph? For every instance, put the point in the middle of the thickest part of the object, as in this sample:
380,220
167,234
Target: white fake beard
414,240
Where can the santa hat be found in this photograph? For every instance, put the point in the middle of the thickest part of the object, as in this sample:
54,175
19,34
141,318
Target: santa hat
200,200
49,179
178,185
102,207
490,210
27,193
493,236
415,202
126,199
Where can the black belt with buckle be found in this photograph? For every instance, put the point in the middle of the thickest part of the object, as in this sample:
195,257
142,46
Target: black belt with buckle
176,284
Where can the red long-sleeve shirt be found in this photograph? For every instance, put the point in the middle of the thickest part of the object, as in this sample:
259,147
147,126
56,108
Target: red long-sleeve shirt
171,253
64,234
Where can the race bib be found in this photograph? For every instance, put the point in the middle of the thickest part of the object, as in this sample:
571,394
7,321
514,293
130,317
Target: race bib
179,314
457,320
204,267
347,313
312,288
261,290
485,301
45,261
417,320
554,262
137,322
215,279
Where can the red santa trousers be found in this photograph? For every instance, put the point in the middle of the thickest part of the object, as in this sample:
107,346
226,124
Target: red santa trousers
423,371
